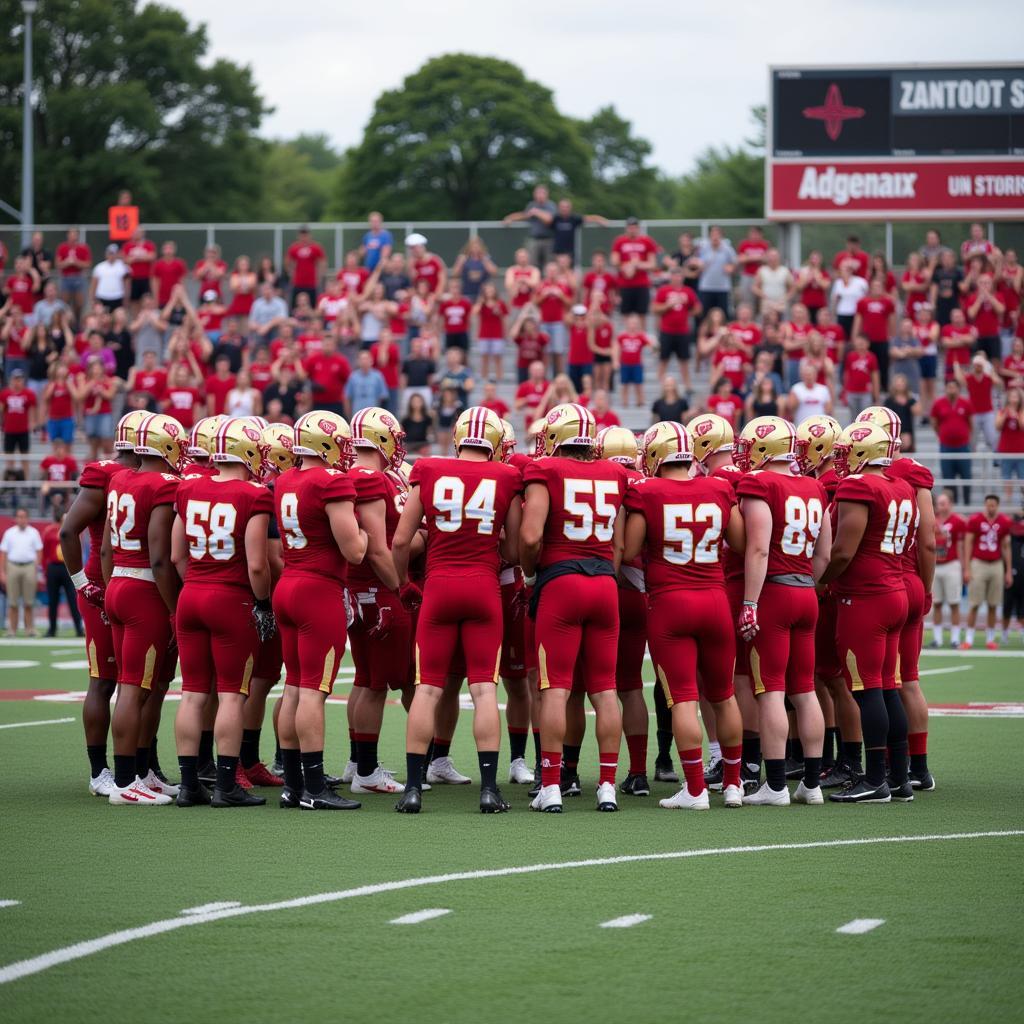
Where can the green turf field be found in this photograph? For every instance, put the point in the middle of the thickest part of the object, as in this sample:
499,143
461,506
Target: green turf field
742,906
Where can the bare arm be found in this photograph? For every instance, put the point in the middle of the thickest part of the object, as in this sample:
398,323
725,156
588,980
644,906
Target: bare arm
179,547
736,531
757,517
405,533
926,538
510,535
256,555
88,504
372,517
635,536
822,548
159,535
531,533
853,521
350,539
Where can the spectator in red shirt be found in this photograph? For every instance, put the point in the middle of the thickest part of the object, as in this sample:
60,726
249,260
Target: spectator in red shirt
628,355
985,310
426,266
724,402
218,385
553,297
352,276
751,253
916,282
1012,369
795,335
977,244
166,272
957,339
259,366
59,397
880,268
328,373
243,288
15,338
21,286
531,391
951,418
521,279
676,304
210,271
1010,424
492,401
876,319
455,310
988,569
530,341
305,263
832,333
604,416
860,377
387,358
150,378
979,385
183,399
601,280
744,328
580,329
813,282
98,393
17,418
140,255
491,314
854,255
333,302
74,260
732,361
635,255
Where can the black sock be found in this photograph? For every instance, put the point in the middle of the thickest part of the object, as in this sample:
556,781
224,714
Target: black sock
812,772
366,757
414,765
429,755
775,772
97,759
154,760
206,746
124,770
874,718
313,770
875,759
898,763
664,738
536,747
663,719
517,744
570,758
188,765
488,761
919,763
353,746
797,749
442,748
142,762
292,770
789,749
277,751
851,755
831,749
226,765
752,750
250,752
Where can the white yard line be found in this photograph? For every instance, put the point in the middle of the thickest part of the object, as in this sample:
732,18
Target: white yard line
945,671
625,922
208,908
50,721
860,925
89,947
10,903
419,916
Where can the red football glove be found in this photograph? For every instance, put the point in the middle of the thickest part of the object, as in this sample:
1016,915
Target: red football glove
747,622
94,594
411,597
521,602
382,627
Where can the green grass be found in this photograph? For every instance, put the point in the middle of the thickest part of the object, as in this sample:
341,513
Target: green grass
747,935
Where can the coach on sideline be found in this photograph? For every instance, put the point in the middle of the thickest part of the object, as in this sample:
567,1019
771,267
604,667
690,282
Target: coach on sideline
20,552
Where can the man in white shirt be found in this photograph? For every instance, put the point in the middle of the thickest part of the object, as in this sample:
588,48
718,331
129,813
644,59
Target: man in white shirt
847,290
108,280
774,283
20,556
808,397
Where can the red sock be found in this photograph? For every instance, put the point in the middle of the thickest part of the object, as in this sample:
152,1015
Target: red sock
918,743
366,737
731,757
608,763
550,768
637,753
693,769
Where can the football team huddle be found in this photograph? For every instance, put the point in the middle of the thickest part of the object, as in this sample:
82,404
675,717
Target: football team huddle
779,578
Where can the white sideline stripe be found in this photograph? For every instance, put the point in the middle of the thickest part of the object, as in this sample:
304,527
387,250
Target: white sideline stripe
207,908
945,671
860,925
80,950
625,922
10,903
49,721
419,916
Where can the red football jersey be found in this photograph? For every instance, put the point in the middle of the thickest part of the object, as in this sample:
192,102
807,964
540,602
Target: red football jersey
97,475
877,567
585,501
988,536
733,563
215,514
918,477
797,505
686,521
131,498
373,485
301,497
464,505
830,481
947,537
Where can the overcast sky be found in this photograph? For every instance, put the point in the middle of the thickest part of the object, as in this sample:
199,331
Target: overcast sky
685,72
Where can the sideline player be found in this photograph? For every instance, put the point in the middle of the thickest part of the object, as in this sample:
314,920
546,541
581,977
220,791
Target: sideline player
787,545
471,507
679,522
948,585
987,568
315,508
571,548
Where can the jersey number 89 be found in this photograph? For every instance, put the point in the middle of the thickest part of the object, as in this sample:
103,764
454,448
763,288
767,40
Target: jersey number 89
803,524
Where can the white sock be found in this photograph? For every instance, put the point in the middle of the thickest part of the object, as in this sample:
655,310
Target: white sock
937,634
956,634
715,749
970,637
990,636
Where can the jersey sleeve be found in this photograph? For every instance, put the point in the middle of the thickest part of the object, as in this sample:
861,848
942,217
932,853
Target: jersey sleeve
181,497
753,485
95,474
515,478
337,487
535,473
262,501
369,486
634,501
419,469
973,525
165,489
855,488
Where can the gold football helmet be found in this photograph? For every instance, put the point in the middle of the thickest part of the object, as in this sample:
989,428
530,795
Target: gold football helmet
816,437
765,439
663,443
617,444
200,440
710,433
127,426
376,428
567,424
239,440
164,437
324,435
479,428
885,418
508,440
277,441
863,444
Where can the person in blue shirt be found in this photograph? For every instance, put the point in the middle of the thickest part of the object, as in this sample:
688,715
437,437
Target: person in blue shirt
377,242
366,387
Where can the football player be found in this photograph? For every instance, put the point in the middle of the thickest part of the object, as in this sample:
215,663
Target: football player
89,511
141,596
320,535
679,522
948,584
381,635
472,510
874,518
200,445
918,576
219,546
571,547
788,543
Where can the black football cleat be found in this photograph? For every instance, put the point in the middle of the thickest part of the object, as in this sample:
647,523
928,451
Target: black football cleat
837,776
333,781
750,777
289,799
714,774
665,772
635,785
236,797
410,802
570,784
193,797
794,768
208,774
326,800
923,781
535,788
860,791
492,802
903,794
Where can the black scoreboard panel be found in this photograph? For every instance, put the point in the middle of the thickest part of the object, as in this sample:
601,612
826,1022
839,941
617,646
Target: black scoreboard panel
856,113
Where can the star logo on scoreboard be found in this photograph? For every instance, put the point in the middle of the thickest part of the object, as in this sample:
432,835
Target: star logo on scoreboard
833,112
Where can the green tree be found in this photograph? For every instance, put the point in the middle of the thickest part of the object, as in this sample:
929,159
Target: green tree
124,98
298,178
464,137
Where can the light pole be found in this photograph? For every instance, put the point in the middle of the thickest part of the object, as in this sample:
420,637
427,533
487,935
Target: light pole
27,160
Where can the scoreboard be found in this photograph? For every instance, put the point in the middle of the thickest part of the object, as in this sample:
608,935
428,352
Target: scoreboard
920,141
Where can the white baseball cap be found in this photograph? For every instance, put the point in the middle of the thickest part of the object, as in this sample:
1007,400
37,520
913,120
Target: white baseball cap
415,239
579,310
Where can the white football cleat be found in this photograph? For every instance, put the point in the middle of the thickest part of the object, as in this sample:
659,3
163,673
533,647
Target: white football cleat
350,772
607,800
137,795
768,797
803,795
441,770
153,782
519,773
379,781
102,784
684,801
548,799
733,796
